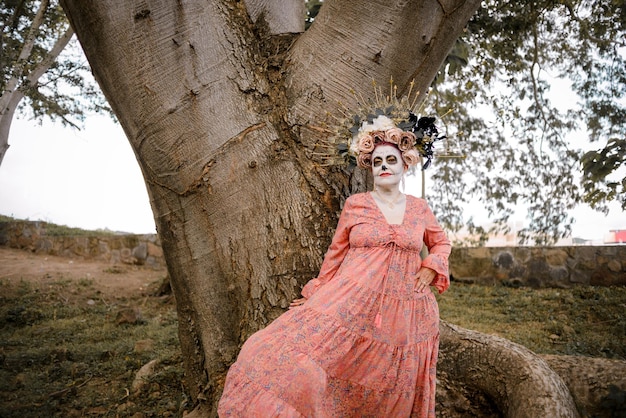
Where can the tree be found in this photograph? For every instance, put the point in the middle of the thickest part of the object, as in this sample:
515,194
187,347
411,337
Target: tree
223,103
33,36
523,157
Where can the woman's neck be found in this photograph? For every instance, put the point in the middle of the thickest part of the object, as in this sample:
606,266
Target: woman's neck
388,191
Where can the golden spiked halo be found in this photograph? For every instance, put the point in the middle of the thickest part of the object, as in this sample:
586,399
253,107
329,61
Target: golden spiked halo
341,146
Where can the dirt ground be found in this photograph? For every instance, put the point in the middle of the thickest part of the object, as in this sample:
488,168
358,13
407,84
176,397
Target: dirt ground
75,333
112,281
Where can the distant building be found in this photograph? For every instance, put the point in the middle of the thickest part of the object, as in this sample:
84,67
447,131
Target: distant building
616,236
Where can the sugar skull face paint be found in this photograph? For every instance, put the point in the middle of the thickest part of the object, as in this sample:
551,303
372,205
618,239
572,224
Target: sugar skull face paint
387,165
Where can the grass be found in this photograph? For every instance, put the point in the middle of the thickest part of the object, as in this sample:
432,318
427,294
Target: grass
61,358
55,230
588,321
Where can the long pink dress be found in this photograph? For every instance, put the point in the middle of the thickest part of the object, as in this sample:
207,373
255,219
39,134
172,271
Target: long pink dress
365,343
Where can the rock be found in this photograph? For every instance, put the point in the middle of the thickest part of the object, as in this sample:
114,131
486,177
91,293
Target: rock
128,316
556,257
504,260
615,266
140,253
142,378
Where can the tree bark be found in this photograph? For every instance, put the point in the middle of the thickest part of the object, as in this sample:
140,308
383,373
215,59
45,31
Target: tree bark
519,382
6,119
188,83
281,16
598,385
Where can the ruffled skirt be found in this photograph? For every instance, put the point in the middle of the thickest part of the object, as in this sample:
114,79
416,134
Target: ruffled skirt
327,358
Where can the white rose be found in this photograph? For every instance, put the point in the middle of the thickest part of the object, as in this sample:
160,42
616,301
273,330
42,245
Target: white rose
380,123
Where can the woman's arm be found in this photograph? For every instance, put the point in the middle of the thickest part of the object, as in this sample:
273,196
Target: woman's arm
439,249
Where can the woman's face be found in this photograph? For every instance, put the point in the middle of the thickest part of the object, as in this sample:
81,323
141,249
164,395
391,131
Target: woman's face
387,165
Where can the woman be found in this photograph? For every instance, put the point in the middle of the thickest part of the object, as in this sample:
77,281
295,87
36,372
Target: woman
363,339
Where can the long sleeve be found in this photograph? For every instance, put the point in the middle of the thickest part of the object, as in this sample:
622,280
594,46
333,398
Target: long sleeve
335,254
439,250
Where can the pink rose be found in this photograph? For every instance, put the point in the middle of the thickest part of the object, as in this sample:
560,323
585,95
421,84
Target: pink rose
411,157
366,144
407,141
364,160
393,135
379,137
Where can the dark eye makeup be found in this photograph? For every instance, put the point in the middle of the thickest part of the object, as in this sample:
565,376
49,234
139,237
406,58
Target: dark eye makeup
391,160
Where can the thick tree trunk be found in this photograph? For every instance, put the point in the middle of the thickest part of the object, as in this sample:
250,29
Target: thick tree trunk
241,227
519,382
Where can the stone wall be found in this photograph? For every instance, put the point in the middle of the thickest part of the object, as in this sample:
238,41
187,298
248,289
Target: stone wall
541,266
120,248
513,266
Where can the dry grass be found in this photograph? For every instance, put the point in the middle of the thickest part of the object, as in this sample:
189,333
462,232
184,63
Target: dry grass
587,321
60,359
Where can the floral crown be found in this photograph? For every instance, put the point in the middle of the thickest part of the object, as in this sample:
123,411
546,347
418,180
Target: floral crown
386,119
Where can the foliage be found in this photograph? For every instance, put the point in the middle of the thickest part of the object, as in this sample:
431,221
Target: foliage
598,167
66,91
55,230
312,9
506,63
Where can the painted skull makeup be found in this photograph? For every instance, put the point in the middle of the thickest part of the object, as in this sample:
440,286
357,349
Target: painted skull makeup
387,165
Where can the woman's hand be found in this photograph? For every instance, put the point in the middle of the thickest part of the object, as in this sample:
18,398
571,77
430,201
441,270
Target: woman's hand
297,302
425,277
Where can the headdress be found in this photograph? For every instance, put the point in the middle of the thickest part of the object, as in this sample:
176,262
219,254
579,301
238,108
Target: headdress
384,119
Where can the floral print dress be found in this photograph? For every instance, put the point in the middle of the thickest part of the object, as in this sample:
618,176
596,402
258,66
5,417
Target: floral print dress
365,343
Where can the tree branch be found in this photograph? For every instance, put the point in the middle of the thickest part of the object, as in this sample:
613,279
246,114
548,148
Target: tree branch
536,93
50,57
509,373
27,47
583,26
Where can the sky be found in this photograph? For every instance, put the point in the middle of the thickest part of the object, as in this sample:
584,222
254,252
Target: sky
90,179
